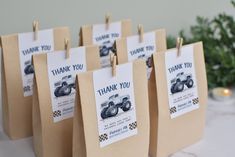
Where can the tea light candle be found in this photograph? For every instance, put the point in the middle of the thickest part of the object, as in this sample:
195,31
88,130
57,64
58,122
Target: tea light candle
227,92
221,94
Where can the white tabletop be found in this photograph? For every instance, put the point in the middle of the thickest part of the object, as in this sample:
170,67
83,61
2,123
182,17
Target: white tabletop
218,141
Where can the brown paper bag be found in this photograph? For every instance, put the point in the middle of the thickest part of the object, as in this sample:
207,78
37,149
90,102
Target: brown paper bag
178,99
142,46
54,96
104,124
16,70
104,35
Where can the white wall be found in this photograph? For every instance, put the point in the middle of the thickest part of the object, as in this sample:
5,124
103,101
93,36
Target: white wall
17,15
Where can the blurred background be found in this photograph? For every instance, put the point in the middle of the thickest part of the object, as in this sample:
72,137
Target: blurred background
215,26
174,15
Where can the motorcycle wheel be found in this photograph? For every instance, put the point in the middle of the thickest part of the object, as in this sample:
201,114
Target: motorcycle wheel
189,83
66,90
29,69
57,92
149,62
103,113
104,51
126,106
173,91
112,111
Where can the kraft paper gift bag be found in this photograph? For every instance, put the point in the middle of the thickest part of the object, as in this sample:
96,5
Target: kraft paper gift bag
111,116
142,46
17,76
54,96
178,99
104,35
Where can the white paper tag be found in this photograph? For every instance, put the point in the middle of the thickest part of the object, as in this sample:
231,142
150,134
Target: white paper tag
105,39
181,80
115,104
62,73
28,47
144,50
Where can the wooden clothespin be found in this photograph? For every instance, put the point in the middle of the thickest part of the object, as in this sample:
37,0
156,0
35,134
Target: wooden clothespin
141,33
179,44
0,42
67,47
113,61
35,29
107,21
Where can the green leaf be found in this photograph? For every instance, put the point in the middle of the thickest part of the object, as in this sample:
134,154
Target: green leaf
218,36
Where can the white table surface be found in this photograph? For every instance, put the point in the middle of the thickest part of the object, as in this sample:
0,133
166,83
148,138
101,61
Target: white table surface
218,141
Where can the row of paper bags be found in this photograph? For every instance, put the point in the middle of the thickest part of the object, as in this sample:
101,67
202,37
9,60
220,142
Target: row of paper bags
78,102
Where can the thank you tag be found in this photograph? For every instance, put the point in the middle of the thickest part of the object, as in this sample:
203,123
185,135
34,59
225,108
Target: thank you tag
105,37
62,73
143,50
28,47
181,81
115,104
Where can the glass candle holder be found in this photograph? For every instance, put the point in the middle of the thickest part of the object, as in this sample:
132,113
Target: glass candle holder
221,93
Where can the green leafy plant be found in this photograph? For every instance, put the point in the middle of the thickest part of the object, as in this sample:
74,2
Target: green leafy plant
218,36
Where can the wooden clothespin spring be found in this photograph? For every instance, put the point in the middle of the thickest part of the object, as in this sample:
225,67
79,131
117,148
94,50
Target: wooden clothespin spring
113,61
107,21
141,33
67,47
35,29
179,44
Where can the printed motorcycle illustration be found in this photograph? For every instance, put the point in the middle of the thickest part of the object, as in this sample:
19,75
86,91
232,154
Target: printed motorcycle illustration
64,87
106,48
111,107
148,60
177,84
28,68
